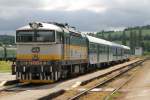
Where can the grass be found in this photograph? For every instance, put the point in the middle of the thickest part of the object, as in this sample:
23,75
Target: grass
115,96
5,66
146,53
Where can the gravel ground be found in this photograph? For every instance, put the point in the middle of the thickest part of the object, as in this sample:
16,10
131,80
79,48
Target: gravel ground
94,96
139,87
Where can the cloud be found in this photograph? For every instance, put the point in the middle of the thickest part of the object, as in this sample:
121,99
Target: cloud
71,5
21,3
86,15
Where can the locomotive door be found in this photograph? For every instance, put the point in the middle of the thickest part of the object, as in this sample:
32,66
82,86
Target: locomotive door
67,48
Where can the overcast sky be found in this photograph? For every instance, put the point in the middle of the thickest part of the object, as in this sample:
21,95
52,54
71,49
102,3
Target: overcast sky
86,15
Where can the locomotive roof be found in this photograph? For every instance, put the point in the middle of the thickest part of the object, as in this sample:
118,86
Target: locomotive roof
51,26
45,26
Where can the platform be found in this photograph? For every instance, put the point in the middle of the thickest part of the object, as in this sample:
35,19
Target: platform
6,76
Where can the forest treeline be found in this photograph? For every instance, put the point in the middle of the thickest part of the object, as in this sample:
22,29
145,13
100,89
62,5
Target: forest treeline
133,36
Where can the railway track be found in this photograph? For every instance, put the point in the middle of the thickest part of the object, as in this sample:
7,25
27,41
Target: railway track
18,88
15,87
109,78
123,84
62,85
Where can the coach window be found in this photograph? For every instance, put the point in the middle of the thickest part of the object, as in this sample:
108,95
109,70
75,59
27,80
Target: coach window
91,48
103,50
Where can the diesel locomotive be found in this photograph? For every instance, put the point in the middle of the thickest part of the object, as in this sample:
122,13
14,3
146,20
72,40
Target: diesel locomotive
50,51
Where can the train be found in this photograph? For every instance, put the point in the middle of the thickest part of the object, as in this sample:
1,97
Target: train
8,53
50,51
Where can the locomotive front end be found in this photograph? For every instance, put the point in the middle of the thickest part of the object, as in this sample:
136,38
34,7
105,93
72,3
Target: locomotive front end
39,51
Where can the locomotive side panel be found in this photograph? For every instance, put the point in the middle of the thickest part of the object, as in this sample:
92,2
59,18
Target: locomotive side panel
75,49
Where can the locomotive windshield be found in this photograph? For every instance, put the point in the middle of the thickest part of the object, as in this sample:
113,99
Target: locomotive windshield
38,36
45,36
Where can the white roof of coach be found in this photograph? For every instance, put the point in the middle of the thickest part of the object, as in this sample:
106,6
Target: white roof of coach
98,40
126,47
45,26
116,45
102,41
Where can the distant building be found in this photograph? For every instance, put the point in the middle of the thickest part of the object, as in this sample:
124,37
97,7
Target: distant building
138,51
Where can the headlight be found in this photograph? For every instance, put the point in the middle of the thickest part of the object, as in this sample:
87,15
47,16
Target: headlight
40,63
49,63
45,63
26,63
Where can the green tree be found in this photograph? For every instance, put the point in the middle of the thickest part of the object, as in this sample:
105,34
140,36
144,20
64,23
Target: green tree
109,37
100,34
1,44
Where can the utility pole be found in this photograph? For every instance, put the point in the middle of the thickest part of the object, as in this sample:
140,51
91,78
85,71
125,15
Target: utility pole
124,38
140,38
131,41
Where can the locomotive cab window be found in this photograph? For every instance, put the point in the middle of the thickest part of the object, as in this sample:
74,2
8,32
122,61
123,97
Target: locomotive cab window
25,36
35,36
45,36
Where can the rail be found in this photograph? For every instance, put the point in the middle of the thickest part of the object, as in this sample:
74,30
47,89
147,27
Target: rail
123,84
121,71
13,86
